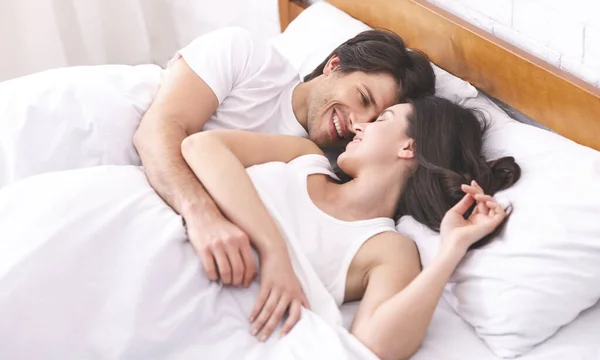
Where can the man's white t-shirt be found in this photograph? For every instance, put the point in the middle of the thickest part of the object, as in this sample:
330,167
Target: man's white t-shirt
251,79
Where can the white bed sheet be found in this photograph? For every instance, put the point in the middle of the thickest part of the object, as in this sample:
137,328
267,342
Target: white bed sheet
450,338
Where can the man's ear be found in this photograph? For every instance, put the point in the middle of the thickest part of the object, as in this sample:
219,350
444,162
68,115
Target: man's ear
407,151
332,64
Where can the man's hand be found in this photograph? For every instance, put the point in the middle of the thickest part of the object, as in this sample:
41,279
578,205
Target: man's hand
280,292
225,250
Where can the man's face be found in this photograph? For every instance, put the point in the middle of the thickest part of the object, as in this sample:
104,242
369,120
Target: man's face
344,99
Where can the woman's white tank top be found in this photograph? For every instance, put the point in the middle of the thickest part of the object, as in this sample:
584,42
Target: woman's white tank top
329,244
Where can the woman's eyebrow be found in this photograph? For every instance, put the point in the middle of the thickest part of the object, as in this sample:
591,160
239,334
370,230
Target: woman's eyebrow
388,111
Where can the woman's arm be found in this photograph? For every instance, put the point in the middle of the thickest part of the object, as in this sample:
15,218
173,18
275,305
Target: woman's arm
250,148
218,159
398,304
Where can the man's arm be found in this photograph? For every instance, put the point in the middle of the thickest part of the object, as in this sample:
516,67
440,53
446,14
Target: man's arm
182,106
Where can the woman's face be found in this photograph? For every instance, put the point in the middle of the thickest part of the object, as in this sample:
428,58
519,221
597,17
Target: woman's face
380,143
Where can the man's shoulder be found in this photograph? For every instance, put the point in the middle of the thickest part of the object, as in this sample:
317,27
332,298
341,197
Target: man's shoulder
215,41
250,52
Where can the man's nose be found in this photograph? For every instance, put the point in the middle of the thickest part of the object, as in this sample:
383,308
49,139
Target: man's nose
359,122
365,116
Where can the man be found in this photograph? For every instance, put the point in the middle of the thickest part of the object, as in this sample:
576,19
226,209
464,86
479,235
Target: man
227,79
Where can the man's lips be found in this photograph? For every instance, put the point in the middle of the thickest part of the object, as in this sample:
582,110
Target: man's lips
335,117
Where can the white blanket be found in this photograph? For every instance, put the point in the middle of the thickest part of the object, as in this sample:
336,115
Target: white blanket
94,265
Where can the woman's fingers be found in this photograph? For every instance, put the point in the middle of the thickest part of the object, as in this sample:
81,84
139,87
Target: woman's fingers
497,211
263,295
483,198
464,204
270,314
469,189
274,319
474,191
304,302
265,313
474,187
492,219
294,313
477,193
482,208
480,204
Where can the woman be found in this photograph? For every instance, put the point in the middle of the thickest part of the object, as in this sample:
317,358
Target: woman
415,159
93,264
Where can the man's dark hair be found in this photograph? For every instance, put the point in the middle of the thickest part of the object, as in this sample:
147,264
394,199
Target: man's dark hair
382,51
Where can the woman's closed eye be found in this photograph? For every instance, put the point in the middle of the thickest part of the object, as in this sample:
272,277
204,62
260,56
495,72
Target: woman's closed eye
385,115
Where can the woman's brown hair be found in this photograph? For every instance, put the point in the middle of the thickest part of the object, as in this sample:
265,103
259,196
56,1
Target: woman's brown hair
448,141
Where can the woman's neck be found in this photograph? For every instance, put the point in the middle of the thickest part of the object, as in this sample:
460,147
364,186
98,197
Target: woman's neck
371,195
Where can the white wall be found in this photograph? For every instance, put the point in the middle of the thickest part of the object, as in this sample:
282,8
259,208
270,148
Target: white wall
565,33
36,35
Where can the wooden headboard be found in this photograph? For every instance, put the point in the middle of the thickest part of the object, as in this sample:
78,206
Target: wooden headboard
545,93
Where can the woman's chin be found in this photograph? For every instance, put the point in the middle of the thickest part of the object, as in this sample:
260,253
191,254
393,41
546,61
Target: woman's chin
342,161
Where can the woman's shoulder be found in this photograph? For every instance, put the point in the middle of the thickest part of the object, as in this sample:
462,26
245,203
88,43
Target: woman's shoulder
305,147
390,247
313,163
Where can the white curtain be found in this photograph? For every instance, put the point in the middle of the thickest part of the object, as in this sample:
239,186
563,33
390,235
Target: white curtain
43,34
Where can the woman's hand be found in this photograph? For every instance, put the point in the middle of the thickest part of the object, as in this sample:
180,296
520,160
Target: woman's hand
460,233
280,291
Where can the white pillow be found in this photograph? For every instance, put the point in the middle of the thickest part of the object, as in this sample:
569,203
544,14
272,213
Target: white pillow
544,267
72,117
319,29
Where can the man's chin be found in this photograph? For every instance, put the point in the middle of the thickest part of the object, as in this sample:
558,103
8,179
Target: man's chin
323,143
338,145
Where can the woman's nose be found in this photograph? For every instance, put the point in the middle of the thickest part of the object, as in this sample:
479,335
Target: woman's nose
358,127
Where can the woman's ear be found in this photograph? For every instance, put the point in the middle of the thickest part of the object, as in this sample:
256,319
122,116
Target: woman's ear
332,64
407,151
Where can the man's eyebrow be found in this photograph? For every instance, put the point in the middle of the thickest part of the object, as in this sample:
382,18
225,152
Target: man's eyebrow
370,96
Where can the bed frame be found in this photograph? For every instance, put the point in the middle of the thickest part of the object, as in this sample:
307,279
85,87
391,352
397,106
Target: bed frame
538,89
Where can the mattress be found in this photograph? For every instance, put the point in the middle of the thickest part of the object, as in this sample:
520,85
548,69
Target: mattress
450,338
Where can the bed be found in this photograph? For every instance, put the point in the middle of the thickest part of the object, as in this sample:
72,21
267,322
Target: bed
527,89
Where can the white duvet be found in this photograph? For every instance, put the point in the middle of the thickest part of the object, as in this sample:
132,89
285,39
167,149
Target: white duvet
94,265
